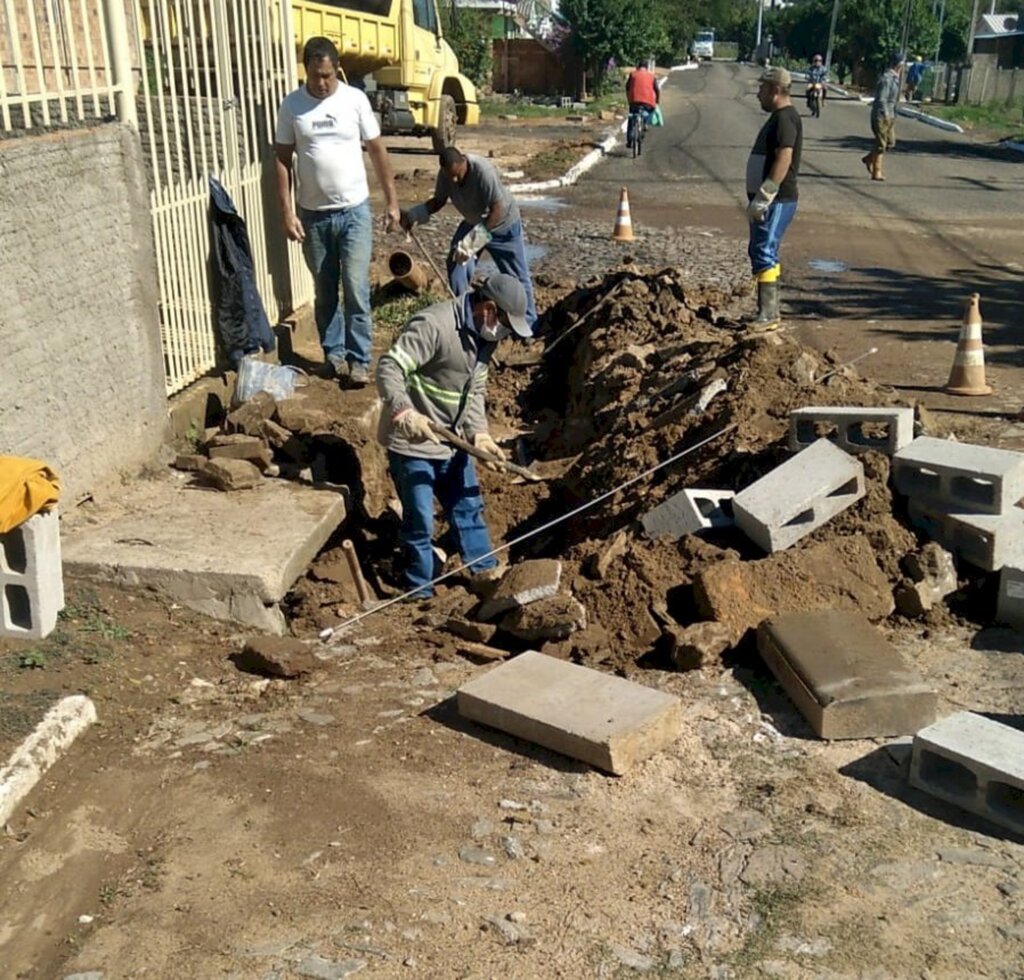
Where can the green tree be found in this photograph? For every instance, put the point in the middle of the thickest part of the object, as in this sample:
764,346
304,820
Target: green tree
603,30
469,34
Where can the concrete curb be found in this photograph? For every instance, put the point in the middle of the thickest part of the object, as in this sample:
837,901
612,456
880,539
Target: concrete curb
60,726
924,117
581,166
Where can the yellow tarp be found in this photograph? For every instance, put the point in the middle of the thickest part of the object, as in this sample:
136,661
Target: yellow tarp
27,486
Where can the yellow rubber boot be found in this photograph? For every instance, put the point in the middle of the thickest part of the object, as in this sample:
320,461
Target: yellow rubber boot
767,317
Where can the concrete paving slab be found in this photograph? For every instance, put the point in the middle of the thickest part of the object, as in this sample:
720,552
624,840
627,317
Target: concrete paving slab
600,719
845,678
227,555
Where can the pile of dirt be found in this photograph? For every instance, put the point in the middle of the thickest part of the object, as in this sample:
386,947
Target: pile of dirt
637,368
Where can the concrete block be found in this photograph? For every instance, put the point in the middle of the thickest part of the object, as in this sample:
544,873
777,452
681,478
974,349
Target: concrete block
689,512
989,541
600,719
974,763
527,582
799,496
845,678
31,578
959,476
852,429
60,726
1010,604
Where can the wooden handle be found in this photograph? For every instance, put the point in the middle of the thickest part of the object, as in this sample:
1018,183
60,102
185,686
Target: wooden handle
467,447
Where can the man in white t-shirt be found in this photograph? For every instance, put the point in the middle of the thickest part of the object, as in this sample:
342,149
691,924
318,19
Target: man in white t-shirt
324,124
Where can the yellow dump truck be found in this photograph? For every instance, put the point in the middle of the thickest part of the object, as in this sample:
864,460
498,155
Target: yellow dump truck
394,49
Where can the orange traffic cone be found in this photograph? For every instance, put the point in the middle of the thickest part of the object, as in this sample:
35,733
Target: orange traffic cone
968,374
623,223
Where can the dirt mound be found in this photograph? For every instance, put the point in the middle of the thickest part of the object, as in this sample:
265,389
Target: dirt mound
642,367
637,368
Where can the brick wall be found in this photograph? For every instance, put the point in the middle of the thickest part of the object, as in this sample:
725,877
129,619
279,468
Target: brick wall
526,66
81,371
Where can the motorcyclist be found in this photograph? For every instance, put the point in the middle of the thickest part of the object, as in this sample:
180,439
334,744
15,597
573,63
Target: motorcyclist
817,74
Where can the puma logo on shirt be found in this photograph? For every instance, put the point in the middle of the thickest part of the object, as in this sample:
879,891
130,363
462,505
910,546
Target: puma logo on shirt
328,122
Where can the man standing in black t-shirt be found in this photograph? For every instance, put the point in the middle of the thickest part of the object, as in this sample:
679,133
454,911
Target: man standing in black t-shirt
771,190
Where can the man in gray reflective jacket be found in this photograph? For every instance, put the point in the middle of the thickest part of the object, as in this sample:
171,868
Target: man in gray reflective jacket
436,371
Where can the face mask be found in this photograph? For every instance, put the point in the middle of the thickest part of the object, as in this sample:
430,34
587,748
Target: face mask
492,334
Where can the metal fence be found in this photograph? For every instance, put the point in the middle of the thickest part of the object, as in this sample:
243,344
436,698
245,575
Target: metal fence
56,66
202,81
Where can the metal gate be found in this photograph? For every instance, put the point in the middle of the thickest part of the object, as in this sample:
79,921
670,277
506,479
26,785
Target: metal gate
212,74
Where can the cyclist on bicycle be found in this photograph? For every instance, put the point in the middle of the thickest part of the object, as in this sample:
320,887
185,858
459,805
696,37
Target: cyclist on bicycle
817,74
642,92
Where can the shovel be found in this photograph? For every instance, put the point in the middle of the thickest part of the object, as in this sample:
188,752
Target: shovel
468,447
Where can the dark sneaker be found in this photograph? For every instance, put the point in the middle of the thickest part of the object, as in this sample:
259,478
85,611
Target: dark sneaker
359,376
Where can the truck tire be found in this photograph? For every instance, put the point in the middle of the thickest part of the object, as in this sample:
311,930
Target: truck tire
444,134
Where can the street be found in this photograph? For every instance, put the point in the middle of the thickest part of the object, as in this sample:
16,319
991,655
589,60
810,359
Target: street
897,258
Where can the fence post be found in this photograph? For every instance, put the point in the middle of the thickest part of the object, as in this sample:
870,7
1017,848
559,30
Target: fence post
121,56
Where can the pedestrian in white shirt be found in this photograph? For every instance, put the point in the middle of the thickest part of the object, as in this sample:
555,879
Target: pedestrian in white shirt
323,125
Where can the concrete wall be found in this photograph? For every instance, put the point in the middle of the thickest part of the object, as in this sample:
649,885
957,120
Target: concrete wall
81,370
985,82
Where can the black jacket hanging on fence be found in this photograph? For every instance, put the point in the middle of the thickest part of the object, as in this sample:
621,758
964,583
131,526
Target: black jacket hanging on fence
242,323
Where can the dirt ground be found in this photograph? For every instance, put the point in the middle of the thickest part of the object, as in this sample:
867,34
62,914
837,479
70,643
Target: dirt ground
216,823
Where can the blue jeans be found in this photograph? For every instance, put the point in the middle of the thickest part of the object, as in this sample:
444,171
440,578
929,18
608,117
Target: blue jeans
508,251
454,483
766,236
337,250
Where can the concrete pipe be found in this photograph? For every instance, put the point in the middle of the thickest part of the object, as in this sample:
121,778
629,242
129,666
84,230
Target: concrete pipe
407,271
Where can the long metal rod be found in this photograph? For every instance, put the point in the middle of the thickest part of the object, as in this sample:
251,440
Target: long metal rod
327,635
433,264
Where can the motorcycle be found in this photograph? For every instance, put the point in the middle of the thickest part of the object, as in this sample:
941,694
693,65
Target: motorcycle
815,98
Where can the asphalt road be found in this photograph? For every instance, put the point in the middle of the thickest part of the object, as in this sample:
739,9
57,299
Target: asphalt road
899,257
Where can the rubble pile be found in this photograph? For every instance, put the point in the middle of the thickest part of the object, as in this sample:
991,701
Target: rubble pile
636,368
308,437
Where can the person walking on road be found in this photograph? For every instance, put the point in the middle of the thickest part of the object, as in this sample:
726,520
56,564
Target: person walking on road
914,75
436,371
883,116
323,125
490,220
772,190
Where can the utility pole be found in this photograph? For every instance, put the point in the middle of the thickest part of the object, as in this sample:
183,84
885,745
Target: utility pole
832,34
970,33
942,21
760,19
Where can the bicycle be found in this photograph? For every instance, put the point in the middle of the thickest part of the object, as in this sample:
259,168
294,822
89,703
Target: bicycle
636,130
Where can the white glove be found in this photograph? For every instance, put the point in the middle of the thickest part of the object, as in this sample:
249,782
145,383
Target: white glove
762,200
473,241
419,214
485,443
414,426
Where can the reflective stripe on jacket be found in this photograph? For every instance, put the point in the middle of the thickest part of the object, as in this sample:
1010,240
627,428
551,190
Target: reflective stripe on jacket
437,366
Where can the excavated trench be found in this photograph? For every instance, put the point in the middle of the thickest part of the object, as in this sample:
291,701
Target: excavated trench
636,368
